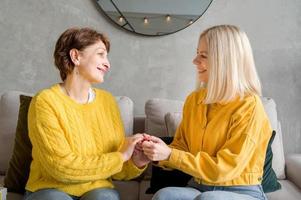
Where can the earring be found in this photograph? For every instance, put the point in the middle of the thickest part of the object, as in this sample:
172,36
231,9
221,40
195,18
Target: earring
76,70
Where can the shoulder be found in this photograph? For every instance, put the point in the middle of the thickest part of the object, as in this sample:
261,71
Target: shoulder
196,96
49,98
106,98
103,94
249,102
250,105
46,95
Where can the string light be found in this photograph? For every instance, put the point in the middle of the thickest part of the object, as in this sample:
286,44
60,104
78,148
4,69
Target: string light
168,18
145,20
120,19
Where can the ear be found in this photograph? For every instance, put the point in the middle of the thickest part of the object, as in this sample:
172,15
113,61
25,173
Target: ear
74,55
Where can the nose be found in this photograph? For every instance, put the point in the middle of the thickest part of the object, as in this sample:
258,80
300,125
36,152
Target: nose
196,61
106,64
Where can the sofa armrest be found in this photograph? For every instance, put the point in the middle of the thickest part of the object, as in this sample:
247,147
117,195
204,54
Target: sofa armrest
293,168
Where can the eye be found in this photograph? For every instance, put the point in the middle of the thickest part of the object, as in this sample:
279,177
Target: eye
203,56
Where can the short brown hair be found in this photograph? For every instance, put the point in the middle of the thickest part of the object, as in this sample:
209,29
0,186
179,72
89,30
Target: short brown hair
75,38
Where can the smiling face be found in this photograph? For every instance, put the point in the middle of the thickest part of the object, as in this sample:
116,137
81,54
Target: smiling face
201,61
93,62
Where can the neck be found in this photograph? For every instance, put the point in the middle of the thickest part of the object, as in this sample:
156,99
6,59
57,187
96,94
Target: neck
76,89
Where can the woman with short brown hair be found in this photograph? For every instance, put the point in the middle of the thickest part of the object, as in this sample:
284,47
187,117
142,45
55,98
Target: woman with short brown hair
76,130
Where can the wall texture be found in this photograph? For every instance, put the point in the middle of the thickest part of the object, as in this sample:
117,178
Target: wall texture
146,67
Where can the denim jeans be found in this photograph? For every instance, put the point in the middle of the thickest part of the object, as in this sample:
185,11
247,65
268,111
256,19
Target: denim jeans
54,194
195,191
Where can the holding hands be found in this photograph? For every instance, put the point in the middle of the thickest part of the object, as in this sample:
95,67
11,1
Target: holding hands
143,148
154,148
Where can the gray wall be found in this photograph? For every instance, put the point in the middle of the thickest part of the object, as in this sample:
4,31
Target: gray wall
145,67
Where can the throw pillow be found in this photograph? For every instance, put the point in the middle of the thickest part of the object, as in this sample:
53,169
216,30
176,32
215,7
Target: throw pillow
269,182
19,165
165,178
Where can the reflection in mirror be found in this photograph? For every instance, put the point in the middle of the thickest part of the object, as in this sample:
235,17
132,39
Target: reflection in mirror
154,17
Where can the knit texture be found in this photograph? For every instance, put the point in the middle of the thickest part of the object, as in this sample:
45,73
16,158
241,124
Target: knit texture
75,146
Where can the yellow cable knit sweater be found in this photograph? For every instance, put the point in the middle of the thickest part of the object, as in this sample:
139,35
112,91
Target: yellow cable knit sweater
75,146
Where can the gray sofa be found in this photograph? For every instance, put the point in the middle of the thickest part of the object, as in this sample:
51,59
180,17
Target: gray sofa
160,119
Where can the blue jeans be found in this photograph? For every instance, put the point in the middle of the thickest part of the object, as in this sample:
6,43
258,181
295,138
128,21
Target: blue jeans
196,191
54,194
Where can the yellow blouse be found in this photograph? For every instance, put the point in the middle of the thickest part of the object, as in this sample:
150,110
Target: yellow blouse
221,145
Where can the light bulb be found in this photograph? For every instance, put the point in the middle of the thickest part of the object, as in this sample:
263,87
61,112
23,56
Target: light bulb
168,18
145,20
120,19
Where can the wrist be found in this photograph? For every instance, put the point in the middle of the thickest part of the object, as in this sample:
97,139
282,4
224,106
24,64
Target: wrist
168,154
137,164
124,157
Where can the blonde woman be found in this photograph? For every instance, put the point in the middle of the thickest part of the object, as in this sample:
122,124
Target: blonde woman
224,133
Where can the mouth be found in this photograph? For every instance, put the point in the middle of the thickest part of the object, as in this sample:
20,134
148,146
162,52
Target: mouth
104,70
202,71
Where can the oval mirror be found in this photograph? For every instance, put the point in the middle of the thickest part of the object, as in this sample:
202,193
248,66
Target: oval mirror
154,17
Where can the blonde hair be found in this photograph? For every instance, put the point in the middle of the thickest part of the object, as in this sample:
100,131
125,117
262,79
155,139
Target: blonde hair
232,70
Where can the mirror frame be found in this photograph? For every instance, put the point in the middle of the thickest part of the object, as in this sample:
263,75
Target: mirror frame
149,35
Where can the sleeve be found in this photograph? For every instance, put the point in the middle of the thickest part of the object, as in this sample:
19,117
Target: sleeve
51,149
234,155
129,169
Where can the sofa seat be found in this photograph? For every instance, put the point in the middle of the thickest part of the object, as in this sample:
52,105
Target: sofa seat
288,191
128,190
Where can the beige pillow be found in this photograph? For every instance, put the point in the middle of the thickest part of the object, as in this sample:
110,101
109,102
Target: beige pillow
172,121
155,110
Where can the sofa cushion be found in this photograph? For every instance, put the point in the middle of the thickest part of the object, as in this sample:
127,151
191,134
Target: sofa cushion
288,191
269,182
277,146
172,120
278,154
128,190
155,110
19,165
9,108
144,185
126,107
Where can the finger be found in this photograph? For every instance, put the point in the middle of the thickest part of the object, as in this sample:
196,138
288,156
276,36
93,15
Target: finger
138,136
149,156
147,144
146,135
156,139
139,147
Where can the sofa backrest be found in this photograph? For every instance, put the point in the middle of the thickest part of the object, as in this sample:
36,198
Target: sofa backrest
164,115
9,109
155,110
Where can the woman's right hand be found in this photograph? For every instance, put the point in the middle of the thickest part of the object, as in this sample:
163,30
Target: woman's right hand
155,149
128,146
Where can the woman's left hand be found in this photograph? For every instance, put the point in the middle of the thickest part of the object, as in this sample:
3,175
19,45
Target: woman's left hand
139,158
